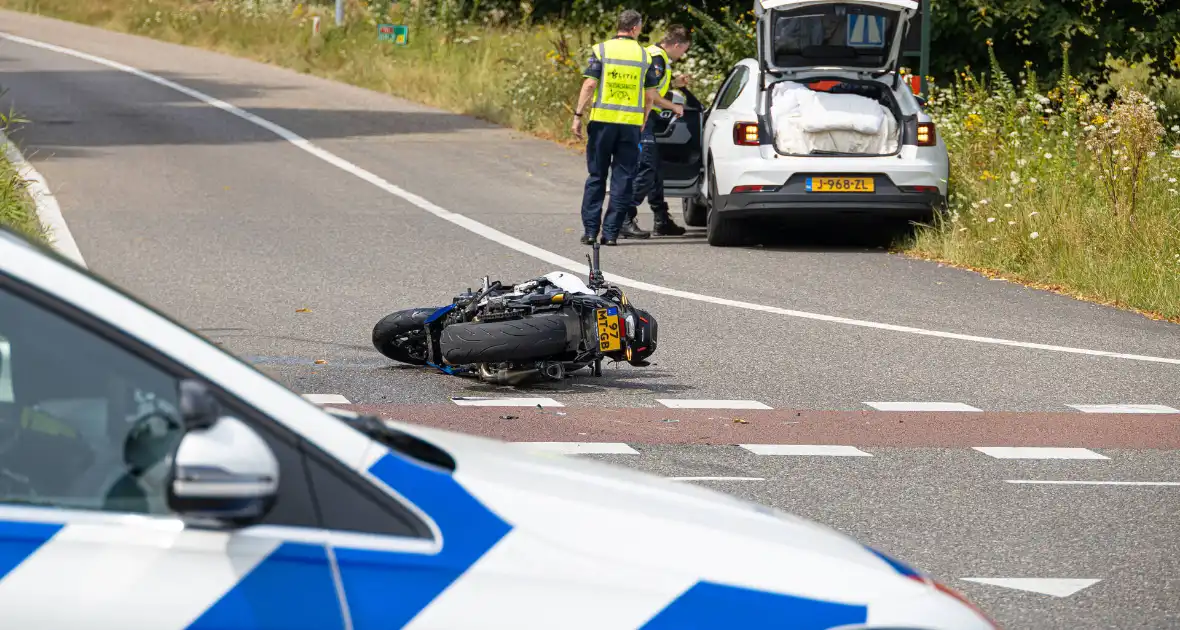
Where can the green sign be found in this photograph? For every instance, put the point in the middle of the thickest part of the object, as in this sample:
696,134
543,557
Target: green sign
397,33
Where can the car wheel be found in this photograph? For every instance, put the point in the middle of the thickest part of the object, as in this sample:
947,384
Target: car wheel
720,232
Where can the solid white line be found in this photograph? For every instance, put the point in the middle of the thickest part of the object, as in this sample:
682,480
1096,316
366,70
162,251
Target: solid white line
1125,409
1094,483
528,249
48,211
1038,452
580,448
505,402
327,399
717,478
680,403
920,406
825,450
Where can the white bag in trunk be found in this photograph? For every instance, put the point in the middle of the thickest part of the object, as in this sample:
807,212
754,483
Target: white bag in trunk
805,121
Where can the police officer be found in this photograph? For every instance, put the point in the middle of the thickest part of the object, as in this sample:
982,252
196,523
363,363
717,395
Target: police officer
623,82
648,181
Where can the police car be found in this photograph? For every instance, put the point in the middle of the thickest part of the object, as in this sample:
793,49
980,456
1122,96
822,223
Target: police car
150,480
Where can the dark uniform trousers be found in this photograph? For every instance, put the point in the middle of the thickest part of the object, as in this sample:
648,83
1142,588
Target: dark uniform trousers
648,181
611,148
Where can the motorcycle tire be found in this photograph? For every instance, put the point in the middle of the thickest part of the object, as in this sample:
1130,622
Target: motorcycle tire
395,329
527,339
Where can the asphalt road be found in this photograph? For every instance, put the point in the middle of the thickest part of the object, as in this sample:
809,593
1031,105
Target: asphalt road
232,230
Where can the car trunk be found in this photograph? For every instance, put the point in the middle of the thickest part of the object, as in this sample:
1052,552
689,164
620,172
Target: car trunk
833,117
822,63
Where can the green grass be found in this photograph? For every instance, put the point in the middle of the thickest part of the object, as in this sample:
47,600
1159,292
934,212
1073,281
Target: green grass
1028,198
17,211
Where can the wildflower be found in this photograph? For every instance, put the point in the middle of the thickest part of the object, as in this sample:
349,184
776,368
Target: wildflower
1048,156
991,219
1032,180
1033,213
1034,235
1007,205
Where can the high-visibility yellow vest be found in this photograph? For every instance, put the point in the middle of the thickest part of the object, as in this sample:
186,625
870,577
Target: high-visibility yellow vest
619,95
666,81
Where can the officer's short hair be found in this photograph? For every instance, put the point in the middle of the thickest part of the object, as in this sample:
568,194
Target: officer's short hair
629,19
677,34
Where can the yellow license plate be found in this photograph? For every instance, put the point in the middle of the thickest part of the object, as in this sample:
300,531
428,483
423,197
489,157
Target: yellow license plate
840,184
609,337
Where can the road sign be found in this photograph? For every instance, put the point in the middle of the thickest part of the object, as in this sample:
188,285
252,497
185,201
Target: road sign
397,33
866,31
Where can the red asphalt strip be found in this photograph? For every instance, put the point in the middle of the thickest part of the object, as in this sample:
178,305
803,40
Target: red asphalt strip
781,426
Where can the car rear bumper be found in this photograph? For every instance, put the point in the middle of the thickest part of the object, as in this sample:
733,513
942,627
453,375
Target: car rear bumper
793,199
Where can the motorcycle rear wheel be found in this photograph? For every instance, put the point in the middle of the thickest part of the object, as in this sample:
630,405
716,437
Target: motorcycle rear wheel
400,333
527,339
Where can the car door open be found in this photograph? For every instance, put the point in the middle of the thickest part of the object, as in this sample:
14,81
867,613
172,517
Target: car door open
679,143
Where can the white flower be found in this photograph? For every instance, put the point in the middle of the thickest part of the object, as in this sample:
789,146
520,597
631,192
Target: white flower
1032,180
1034,235
1065,133
1007,205
1014,177
1033,213
991,219
1011,223
983,202
1171,180
1048,156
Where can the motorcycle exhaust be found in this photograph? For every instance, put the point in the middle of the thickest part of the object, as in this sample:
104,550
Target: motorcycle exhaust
506,377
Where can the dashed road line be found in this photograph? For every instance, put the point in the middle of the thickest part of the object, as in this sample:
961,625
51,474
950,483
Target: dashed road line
1057,587
1071,482
580,448
466,401
327,399
1038,452
823,450
1125,409
529,249
921,406
683,403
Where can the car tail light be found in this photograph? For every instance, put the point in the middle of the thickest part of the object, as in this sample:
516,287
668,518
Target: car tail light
955,594
753,188
926,137
745,134
919,189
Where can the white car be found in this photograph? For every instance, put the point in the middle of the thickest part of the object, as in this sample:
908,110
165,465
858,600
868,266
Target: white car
151,481
820,124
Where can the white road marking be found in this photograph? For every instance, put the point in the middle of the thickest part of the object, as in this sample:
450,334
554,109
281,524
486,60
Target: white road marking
717,478
505,402
48,211
1038,452
825,450
327,399
528,249
580,448
920,406
1057,587
1093,483
1125,409
681,403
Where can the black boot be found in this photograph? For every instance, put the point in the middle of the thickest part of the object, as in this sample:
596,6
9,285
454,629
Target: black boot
631,229
587,239
665,226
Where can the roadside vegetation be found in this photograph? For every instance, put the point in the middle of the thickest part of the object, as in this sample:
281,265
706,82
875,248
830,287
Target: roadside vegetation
1065,168
17,211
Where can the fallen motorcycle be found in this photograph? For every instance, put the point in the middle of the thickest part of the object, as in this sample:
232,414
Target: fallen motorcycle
542,329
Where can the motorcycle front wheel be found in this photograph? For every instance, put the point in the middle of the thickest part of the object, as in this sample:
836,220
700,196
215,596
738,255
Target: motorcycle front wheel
399,335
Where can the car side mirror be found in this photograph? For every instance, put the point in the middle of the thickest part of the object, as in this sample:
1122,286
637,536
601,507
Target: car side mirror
225,472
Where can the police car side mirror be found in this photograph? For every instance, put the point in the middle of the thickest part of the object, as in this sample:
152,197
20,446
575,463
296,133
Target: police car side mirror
223,473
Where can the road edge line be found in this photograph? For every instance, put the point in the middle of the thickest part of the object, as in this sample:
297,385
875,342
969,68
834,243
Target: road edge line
48,210
528,249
